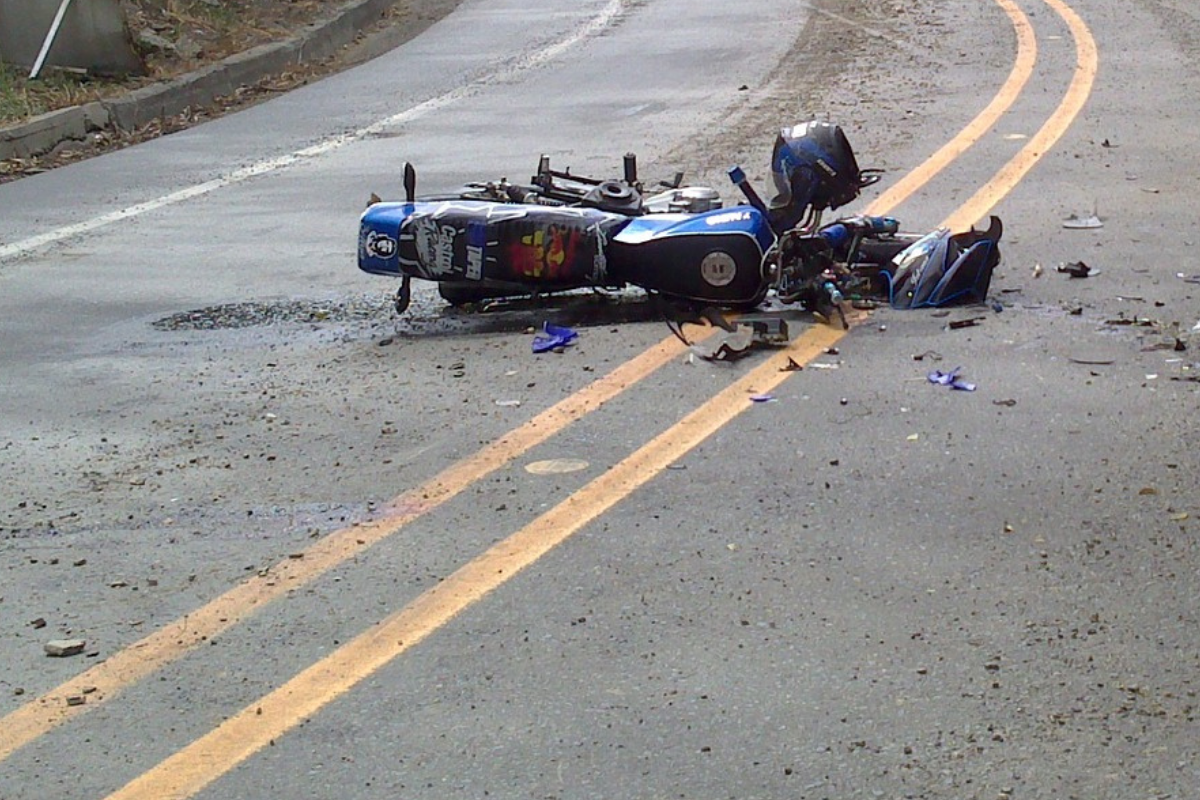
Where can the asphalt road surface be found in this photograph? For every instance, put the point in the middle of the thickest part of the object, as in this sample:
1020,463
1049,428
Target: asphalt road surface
319,551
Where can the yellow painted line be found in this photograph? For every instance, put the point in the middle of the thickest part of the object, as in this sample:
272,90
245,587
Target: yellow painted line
199,764
1022,70
107,679
142,658
196,766
1086,67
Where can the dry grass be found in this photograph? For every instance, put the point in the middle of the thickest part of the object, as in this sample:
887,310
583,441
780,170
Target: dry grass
202,32
220,29
21,98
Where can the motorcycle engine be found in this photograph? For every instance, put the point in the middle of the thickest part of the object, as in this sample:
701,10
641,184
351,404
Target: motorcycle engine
615,196
696,200
685,200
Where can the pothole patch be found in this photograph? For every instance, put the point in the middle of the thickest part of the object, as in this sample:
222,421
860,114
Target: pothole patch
251,314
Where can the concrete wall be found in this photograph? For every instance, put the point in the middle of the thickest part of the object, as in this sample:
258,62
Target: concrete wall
92,35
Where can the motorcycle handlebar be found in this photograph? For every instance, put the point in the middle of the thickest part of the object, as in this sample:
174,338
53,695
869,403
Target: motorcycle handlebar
738,176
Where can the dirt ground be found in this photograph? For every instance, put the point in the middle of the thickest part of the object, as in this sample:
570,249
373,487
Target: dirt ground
176,37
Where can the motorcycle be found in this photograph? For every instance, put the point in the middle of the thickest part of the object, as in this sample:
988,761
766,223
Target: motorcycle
562,232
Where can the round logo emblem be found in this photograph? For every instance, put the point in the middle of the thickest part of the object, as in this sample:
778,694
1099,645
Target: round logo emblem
380,245
718,268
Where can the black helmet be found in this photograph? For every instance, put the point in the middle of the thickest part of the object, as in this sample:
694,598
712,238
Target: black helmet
813,166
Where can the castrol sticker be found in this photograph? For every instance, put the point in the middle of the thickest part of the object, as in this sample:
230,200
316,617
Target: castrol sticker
718,268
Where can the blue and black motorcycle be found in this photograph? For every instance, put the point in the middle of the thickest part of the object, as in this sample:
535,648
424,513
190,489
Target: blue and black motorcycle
562,232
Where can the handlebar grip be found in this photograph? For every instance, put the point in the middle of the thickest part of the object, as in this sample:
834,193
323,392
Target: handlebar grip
410,182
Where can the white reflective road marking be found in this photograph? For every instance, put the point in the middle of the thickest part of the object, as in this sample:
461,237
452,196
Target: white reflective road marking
532,61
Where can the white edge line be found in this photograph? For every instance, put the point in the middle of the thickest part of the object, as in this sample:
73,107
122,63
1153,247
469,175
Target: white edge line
25,246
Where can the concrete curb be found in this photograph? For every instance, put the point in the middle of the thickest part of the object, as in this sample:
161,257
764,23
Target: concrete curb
198,89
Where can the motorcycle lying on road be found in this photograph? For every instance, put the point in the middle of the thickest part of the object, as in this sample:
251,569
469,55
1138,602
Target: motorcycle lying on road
562,232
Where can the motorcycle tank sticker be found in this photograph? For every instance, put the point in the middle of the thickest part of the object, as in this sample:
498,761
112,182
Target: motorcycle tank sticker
533,245
380,245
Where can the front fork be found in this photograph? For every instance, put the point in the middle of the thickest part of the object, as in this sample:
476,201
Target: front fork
404,294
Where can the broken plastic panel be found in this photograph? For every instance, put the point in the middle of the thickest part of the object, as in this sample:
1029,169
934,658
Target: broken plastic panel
951,379
553,337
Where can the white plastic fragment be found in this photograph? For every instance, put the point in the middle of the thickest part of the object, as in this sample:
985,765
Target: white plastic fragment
1089,222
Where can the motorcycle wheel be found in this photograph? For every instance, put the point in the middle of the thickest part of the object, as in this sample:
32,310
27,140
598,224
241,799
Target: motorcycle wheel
464,295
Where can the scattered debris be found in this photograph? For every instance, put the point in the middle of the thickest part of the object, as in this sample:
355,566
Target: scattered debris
1141,322
1178,346
1009,403
969,322
1078,269
1037,270
1094,362
553,337
508,403
740,339
1189,278
932,355
62,648
767,329
951,379
792,365
762,398
1077,222
728,346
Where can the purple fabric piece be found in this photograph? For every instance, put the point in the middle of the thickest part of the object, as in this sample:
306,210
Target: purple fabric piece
552,337
951,379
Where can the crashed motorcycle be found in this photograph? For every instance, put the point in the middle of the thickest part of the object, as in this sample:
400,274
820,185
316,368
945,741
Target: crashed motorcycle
562,232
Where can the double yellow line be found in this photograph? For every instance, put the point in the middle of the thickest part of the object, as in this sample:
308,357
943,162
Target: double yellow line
238,738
